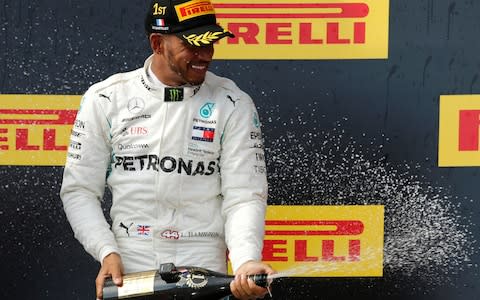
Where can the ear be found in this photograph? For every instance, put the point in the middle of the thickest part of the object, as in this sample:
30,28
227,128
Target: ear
156,42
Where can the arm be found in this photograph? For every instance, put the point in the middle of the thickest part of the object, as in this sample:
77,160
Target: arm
245,190
244,184
84,182
84,175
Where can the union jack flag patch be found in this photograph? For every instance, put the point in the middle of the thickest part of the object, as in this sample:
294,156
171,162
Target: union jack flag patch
143,230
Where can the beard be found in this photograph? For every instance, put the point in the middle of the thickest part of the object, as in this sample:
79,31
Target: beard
184,72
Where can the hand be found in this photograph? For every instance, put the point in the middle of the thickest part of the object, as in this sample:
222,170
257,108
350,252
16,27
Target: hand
244,288
111,266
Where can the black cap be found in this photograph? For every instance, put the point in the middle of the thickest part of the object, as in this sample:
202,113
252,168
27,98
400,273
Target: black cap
193,21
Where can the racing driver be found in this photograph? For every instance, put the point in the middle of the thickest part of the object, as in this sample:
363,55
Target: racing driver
181,151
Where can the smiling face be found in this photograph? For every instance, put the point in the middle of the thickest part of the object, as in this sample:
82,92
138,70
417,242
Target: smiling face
176,63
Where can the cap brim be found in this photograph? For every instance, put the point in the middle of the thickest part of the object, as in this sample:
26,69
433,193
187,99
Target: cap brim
204,35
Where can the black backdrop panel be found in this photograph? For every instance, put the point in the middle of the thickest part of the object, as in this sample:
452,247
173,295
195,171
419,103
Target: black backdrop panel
336,131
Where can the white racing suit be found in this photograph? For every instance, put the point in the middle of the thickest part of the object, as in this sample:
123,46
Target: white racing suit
187,177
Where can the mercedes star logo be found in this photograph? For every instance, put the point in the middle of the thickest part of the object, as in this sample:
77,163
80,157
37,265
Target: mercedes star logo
136,105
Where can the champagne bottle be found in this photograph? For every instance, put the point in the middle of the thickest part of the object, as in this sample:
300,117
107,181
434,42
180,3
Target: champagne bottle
175,283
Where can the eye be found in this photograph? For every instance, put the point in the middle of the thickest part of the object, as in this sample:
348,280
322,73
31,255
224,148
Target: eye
190,47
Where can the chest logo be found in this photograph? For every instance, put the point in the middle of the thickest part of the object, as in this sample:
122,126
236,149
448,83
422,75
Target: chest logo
136,105
207,110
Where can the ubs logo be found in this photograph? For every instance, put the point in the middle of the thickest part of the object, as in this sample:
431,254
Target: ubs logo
136,105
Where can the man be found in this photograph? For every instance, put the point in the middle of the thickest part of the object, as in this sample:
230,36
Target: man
181,150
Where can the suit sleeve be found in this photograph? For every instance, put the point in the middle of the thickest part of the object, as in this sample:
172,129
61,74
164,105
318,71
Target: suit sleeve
84,178
244,184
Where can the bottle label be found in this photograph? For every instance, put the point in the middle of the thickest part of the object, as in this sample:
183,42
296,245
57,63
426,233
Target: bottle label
137,284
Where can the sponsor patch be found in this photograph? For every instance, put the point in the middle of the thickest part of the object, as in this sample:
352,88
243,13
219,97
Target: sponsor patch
160,25
134,131
193,9
207,110
196,150
125,227
256,120
173,94
122,147
170,234
143,230
204,134
165,164
136,118
136,105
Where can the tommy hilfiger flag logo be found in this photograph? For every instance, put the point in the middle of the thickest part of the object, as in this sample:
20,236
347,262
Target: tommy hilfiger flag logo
204,134
143,230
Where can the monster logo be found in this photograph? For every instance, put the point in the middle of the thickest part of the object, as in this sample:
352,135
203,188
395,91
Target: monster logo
173,94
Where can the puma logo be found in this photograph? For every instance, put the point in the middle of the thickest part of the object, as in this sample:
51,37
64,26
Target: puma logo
125,227
106,97
231,99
